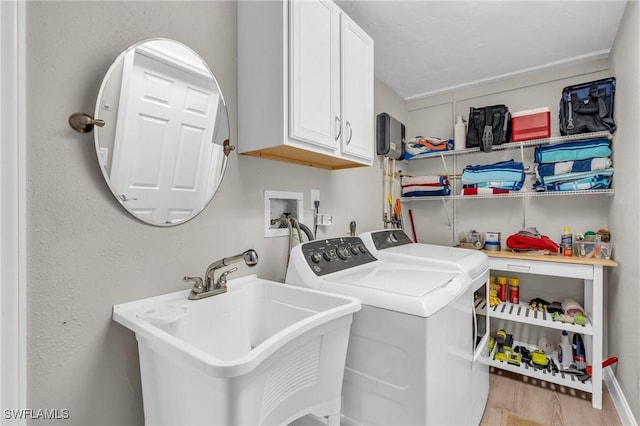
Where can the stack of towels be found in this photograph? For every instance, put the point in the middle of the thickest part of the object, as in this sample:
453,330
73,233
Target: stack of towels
425,186
496,178
420,146
574,166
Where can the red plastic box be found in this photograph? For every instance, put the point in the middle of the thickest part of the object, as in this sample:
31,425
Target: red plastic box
531,124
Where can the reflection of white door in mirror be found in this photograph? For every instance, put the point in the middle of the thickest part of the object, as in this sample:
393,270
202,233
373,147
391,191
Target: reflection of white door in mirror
163,144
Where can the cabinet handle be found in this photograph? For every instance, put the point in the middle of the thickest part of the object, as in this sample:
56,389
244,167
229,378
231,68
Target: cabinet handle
350,132
339,126
518,267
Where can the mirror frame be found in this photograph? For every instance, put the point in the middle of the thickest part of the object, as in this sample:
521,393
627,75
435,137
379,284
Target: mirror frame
225,147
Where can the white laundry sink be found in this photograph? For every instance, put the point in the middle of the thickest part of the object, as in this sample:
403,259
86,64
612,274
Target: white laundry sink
261,353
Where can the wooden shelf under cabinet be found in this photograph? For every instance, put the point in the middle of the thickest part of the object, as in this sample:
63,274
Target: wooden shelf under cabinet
304,157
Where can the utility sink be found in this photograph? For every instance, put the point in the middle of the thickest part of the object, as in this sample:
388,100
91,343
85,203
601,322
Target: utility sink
261,353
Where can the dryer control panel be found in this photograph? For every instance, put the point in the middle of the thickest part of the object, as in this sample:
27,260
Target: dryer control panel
335,254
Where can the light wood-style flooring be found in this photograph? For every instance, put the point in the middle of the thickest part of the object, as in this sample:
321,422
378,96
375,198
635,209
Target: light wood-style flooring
544,402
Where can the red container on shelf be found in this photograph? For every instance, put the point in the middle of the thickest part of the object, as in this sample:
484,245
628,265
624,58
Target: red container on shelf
531,124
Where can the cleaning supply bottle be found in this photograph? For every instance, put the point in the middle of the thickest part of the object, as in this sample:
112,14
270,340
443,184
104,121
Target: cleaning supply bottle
579,353
565,352
566,242
460,135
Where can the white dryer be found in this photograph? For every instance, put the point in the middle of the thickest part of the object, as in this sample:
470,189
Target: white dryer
409,356
394,245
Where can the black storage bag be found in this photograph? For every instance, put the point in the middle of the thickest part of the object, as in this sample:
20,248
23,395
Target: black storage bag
588,107
488,126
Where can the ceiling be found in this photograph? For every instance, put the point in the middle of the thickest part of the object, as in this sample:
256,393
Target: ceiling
424,47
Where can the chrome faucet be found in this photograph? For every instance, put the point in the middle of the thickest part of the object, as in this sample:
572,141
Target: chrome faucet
209,286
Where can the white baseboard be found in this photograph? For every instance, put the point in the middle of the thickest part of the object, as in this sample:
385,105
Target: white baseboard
620,402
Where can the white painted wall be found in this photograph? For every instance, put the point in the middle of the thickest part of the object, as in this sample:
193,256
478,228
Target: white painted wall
624,289
85,253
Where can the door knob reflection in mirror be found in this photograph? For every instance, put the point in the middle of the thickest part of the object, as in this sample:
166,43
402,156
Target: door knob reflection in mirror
227,147
83,123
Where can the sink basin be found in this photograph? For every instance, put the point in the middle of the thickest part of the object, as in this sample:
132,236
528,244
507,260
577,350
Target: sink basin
261,353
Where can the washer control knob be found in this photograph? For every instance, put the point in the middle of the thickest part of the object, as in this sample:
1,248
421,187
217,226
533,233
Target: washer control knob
326,256
342,252
354,250
362,249
393,238
315,257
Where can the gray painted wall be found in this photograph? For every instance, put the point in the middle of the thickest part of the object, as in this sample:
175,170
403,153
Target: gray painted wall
85,253
624,289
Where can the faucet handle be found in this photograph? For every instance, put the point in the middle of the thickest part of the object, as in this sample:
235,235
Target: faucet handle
222,280
198,284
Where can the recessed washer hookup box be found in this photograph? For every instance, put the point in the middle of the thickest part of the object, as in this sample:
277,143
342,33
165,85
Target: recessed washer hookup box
531,124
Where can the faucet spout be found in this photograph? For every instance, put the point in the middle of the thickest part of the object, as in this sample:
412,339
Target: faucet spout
250,258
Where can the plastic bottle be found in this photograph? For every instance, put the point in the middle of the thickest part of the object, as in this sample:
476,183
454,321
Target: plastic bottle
565,352
460,135
579,354
566,241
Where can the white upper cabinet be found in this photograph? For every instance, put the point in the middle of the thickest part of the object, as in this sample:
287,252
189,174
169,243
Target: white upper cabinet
314,78
357,90
305,84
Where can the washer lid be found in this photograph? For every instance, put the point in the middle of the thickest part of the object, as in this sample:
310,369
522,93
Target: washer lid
395,242
402,288
472,261
392,278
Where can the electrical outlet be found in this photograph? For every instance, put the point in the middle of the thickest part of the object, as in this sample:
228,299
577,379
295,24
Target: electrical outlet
315,196
324,220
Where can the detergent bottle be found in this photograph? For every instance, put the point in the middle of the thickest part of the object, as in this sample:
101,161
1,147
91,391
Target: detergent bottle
565,354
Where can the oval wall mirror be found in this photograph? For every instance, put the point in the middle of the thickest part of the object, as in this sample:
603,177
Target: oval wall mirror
163,148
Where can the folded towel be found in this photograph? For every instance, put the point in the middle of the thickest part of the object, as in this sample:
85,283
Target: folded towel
425,191
513,186
482,191
504,171
595,182
549,169
423,146
572,151
425,180
570,177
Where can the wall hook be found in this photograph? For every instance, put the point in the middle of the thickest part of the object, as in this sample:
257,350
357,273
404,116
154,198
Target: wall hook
83,123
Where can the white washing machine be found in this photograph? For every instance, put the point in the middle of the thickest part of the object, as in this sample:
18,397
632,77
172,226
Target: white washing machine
409,359
395,245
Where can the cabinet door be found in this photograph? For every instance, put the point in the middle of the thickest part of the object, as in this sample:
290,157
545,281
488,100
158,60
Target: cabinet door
314,75
357,90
